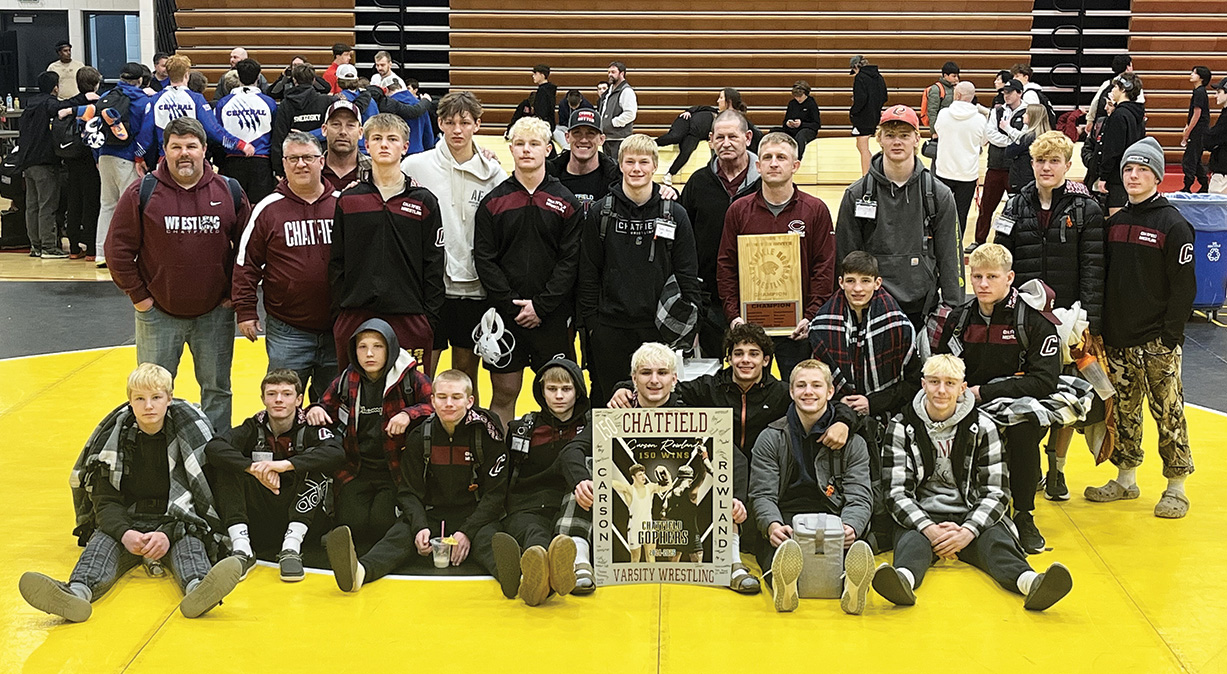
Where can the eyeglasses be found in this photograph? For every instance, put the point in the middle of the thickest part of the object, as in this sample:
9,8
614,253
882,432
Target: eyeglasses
302,158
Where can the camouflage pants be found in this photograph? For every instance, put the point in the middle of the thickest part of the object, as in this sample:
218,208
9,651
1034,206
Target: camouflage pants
1152,371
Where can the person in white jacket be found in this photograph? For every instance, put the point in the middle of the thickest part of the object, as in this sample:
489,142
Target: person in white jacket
963,135
459,175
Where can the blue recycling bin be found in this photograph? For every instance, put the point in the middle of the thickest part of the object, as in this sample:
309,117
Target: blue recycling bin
1208,215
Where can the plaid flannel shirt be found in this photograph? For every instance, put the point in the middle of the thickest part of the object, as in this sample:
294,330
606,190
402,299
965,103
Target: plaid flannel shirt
985,485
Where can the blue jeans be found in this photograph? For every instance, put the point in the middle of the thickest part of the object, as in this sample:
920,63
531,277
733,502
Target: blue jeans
160,339
312,355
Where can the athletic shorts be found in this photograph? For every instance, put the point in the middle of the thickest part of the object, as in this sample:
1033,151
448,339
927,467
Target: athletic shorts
413,332
457,320
858,132
1117,196
537,346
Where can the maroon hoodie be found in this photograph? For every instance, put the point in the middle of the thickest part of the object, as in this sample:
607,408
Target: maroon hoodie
181,251
286,243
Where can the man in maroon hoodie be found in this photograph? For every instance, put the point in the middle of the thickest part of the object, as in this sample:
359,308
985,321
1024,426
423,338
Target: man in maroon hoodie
779,207
171,249
286,245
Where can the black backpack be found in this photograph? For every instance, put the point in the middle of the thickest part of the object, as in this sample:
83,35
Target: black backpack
66,134
117,100
1052,113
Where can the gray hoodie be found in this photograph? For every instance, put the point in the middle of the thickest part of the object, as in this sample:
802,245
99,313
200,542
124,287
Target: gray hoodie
940,494
913,268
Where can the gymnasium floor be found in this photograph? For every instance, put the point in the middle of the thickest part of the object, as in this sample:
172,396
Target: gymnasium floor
1148,594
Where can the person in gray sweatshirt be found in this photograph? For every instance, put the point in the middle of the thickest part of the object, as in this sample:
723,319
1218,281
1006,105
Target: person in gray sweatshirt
949,492
792,473
906,219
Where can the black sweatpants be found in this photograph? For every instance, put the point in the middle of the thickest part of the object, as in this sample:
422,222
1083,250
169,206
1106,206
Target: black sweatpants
367,505
1191,164
610,360
242,499
995,551
712,326
397,547
964,194
255,175
1022,448
84,194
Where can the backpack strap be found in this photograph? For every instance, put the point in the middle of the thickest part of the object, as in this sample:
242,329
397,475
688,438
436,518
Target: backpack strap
427,446
928,207
148,183
606,214
928,452
1020,328
236,194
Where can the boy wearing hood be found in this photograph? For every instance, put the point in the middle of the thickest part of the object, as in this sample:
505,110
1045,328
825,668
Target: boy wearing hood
949,495
632,243
1008,340
868,97
372,404
452,482
903,216
794,473
459,176
271,475
537,488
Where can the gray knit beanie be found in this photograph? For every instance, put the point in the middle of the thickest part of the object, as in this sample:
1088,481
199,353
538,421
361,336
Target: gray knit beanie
1146,152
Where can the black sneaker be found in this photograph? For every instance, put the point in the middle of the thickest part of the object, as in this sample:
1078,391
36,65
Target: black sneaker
53,254
1028,534
290,563
888,582
34,252
1054,486
971,247
1048,588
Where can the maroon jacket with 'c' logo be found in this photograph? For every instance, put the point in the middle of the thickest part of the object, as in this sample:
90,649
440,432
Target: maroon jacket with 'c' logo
286,243
180,251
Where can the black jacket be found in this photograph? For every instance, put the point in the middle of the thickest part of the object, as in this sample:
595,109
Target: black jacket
456,484
621,277
1216,143
1069,259
1150,278
535,444
302,109
545,102
34,127
806,111
994,351
526,246
868,97
706,202
1125,126
320,452
284,83
387,257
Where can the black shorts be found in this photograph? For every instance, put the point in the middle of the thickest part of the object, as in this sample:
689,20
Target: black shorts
457,320
1117,196
537,346
860,131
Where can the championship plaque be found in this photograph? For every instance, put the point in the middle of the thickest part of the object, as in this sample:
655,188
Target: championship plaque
769,266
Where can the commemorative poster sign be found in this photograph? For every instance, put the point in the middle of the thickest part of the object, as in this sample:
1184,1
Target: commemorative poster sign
663,489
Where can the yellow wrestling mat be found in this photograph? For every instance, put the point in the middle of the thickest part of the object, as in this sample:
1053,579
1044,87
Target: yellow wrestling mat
1148,594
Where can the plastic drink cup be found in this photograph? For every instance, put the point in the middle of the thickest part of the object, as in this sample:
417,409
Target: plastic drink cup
440,552
1092,370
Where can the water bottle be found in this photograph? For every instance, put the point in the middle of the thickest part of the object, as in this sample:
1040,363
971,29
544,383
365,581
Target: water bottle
153,567
1092,371
8,101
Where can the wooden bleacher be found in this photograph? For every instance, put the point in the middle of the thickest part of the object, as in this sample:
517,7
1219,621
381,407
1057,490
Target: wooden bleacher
677,59
272,31
1167,38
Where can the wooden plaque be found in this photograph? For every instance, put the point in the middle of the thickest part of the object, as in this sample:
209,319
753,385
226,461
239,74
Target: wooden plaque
769,266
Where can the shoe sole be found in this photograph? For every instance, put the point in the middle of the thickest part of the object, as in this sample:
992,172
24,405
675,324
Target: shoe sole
858,571
562,565
888,583
47,595
113,121
1057,497
785,570
742,586
246,568
342,558
535,576
584,573
219,582
507,563
293,577
1051,588
1092,494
